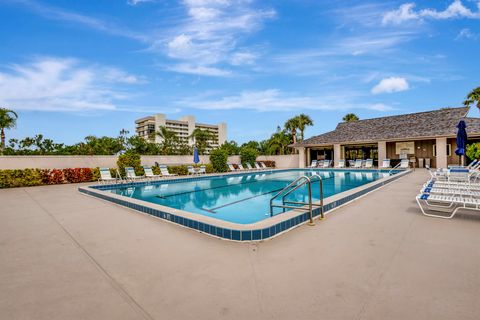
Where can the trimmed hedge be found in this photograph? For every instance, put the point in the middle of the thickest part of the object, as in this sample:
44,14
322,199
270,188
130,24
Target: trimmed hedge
218,159
248,155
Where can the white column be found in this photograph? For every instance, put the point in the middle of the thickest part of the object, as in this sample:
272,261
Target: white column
337,153
441,152
301,157
382,152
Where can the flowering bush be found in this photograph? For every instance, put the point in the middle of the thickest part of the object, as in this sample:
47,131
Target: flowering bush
78,175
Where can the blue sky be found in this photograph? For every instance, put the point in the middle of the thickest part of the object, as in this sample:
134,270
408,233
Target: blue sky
78,68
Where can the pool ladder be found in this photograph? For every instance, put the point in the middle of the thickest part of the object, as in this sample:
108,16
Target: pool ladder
293,186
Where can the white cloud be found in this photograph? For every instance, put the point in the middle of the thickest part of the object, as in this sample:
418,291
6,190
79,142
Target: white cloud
406,12
389,85
276,100
137,2
209,37
53,84
199,70
467,34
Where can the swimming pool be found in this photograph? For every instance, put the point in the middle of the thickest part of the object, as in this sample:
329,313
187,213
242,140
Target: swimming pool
236,206
243,198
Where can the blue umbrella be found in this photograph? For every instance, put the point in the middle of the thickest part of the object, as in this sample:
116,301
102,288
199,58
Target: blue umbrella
196,158
461,139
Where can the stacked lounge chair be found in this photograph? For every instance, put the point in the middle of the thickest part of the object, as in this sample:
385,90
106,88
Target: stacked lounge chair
313,164
457,189
386,164
369,163
341,164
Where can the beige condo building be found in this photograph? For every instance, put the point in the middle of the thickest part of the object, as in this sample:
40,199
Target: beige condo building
147,126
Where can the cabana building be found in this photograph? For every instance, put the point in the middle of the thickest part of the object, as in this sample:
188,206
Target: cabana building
423,137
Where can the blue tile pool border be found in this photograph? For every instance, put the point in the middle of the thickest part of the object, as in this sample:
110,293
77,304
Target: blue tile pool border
254,234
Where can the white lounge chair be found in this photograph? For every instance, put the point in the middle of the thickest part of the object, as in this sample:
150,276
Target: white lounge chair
386,164
257,166
202,170
405,164
313,164
106,176
326,163
263,165
191,170
149,173
369,163
231,167
249,166
131,175
341,164
358,163
449,204
240,167
165,173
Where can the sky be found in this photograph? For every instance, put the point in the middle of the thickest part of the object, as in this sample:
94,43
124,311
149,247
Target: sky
77,68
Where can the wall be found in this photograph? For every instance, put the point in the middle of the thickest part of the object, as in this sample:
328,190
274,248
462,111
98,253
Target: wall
61,162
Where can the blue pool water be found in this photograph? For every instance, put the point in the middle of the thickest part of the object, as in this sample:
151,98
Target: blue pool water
243,198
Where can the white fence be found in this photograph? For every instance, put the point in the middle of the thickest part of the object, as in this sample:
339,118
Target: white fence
61,162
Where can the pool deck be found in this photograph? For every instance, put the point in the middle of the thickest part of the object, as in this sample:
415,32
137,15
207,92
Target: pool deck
67,256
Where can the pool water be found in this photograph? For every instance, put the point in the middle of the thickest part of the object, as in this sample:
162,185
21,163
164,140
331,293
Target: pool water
243,198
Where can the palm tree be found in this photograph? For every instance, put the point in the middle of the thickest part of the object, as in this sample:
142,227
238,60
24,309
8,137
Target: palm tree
303,121
351,117
278,142
169,140
291,126
473,97
202,139
8,120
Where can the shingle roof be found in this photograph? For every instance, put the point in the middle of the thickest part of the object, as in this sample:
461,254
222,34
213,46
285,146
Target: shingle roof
435,123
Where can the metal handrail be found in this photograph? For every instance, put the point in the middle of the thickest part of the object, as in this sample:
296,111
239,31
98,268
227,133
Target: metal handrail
295,185
398,165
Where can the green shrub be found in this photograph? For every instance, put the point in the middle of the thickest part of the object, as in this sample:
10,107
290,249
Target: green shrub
248,155
473,151
180,170
20,178
218,159
130,159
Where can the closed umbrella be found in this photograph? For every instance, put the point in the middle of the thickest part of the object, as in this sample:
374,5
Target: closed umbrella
196,158
461,140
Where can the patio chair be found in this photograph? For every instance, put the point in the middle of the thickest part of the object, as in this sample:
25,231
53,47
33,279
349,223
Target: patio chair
257,166
149,173
249,166
191,170
404,164
313,164
106,176
369,163
263,166
202,170
386,164
449,204
341,164
164,171
327,163
358,163
231,167
240,167
131,175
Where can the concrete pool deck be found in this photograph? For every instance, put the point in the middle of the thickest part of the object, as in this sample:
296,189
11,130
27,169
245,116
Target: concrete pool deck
67,256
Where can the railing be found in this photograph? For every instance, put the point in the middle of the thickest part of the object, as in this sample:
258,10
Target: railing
398,165
292,187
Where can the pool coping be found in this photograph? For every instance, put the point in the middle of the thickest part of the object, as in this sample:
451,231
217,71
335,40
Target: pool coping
258,231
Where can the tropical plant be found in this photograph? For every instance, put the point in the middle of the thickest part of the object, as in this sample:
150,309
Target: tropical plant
278,142
303,121
291,125
218,159
350,117
129,159
248,155
202,139
169,140
473,97
8,120
473,151
231,147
